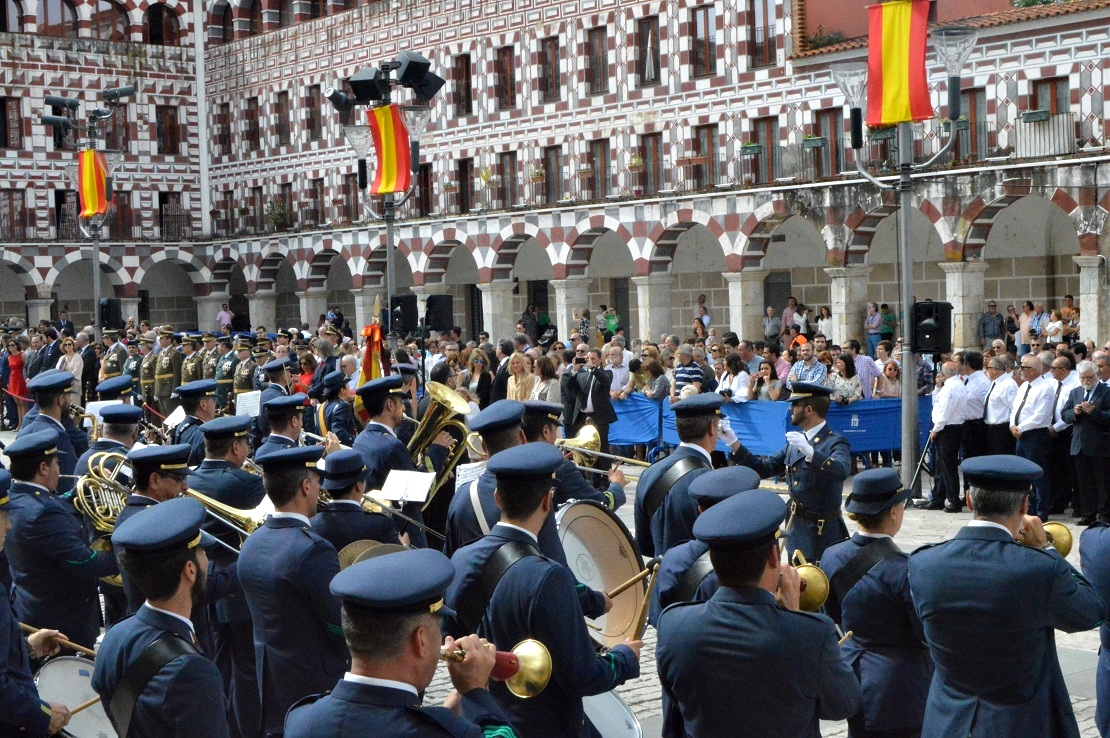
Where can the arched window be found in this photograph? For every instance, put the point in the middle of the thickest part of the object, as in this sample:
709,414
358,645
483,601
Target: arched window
109,21
319,8
285,13
11,16
227,21
160,27
57,18
255,18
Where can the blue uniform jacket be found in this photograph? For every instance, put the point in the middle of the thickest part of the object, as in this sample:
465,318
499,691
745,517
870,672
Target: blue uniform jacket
323,369
339,418
135,504
71,441
818,485
188,432
184,699
651,534
989,606
887,649
383,453
260,426
535,599
100,446
739,665
285,570
1094,558
21,711
676,562
274,443
343,522
54,573
355,709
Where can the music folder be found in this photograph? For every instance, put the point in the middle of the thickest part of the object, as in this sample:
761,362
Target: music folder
407,486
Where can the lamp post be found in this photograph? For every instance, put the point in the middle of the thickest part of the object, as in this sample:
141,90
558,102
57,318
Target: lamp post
94,120
953,46
372,88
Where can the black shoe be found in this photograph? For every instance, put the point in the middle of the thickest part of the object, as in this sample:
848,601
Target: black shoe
1085,520
928,505
953,508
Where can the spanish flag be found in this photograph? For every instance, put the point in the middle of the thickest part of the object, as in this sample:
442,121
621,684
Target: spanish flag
375,364
897,89
92,178
391,144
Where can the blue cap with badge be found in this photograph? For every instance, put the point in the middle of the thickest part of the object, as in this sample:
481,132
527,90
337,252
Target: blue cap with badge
228,426
549,411
5,485
1001,473
343,469
720,484
114,388
121,414
707,403
296,457
875,490
806,390
408,371
401,583
282,362
742,521
529,460
498,416
285,403
165,460
383,385
199,388
39,443
163,529
334,381
52,380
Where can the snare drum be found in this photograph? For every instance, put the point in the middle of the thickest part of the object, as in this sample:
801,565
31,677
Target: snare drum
602,554
67,680
612,716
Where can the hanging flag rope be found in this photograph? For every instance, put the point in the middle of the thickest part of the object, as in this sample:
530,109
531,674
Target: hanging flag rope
391,144
897,87
92,178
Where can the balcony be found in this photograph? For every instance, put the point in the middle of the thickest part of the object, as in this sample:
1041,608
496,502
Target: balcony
15,227
763,47
1040,134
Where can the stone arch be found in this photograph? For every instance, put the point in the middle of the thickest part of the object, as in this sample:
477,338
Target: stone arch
755,235
498,264
374,274
20,265
462,268
664,237
110,267
982,216
579,244
431,266
863,225
199,274
532,261
320,260
226,261
269,263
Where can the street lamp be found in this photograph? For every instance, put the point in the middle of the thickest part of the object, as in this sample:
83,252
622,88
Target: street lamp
94,120
953,46
373,87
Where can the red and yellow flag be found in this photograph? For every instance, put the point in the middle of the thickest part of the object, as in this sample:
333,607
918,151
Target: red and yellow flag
375,364
897,88
391,144
92,178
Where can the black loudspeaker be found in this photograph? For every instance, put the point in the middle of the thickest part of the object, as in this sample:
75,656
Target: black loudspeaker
932,327
406,320
111,314
441,313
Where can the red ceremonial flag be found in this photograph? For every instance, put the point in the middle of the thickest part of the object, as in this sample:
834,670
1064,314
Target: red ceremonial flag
897,88
391,144
92,182
375,364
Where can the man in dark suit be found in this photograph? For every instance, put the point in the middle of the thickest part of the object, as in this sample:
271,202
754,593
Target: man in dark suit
1088,410
990,600
89,367
64,323
51,352
585,389
500,388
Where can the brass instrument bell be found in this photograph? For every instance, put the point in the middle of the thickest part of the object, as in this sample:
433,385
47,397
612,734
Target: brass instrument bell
815,584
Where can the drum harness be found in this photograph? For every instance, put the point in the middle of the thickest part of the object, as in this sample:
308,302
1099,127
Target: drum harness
654,497
691,581
131,686
472,607
858,566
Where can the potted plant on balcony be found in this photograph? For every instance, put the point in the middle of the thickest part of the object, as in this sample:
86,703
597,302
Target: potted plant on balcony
536,174
813,141
751,148
585,170
278,215
962,124
1036,116
692,160
636,163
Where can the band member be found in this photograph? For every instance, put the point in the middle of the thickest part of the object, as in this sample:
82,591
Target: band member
285,417
816,461
198,400
192,362
409,388
226,362
111,364
54,572
870,596
147,368
697,422
243,379
1094,559
21,710
169,687
525,475
50,389
167,371
343,521
209,356
997,672
118,432
335,414
285,570
708,653
277,378
118,388
392,608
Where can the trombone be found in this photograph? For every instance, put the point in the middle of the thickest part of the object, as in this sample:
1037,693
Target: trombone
588,444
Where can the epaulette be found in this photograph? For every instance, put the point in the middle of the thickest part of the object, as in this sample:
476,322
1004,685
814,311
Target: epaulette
927,546
307,700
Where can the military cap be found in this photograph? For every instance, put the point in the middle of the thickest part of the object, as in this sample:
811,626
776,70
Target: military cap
276,365
720,484
875,490
172,459
285,403
331,330
199,388
132,342
264,341
408,371
52,380
498,416
528,461
344,468
225,340
382,385
334,381
549,411
189,339
165,331
282,333
114,388
39,443
166,528
121,414
297,457
5,485
259,351
1001,473
742,521
228,426
805,390
402,583
243,344
146,340
206,337
707,403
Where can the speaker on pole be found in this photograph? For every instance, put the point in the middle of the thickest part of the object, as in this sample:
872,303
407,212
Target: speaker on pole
406,321
932,327
111,313
441,312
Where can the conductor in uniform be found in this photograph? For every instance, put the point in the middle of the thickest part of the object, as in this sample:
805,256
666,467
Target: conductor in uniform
335,414
285,569
344,521
153,681
816,461
747,662
392,608
870,596
533,597
990,600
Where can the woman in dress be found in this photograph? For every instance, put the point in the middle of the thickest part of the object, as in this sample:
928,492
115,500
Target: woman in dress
520,381
1054,329
71,362
17,383
844,382
307,364
825,323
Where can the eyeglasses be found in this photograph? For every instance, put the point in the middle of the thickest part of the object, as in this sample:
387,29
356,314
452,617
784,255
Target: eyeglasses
992,305
479,361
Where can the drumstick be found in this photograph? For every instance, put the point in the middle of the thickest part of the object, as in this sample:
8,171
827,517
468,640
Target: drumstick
638,578
61,641
84,705
844,640
642,615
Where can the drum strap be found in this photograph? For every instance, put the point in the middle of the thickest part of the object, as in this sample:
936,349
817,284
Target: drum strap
654,497
472,606
857,566
135,680
690,582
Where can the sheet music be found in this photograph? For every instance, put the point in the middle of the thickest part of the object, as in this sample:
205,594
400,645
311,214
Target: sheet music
175,417
94,408
248,403
407,486
467,472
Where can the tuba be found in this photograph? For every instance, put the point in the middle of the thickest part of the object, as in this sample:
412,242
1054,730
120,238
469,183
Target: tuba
444,411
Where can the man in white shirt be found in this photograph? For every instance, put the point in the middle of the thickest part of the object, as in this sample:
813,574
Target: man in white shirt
948,423
1064,481
977,384
999,405
1029,424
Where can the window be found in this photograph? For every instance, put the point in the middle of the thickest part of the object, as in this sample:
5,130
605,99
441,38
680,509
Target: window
597,184
1051,95
314,202
166,129
318,9
117,133
553,168
704,42
281,118
57,18
829,158
464,100
11,123
705,147
227,23
971,144
647,51
160,27
13,216
313,126
254,15
505,80
597,62
506,165
285,13
548,80
65,215
425,197
121,219
761,34
465,181
222,129
109,21
765,132
350,198
11,16
170,215
254,219
651,151
250,125
284,211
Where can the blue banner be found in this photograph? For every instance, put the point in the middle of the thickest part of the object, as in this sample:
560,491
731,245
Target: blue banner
637,421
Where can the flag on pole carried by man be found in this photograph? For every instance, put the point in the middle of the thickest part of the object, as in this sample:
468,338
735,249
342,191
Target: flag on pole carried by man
897,86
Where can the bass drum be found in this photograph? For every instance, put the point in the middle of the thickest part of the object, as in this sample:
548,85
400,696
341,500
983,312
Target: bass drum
612,716
602,554
67,680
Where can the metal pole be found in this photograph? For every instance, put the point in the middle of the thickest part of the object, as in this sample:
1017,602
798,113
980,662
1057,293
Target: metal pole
388,216
94,231
905,256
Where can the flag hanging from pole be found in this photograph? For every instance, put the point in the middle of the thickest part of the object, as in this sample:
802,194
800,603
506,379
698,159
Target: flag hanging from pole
92,178
897,87
391,144
375,363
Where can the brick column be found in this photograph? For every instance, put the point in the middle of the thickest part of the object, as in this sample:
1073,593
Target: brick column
653,298
314,303
263,309
497,309
208,307
1093,298
745,303
570,295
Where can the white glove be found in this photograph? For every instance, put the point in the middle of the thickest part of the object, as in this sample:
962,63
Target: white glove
726,434
800,442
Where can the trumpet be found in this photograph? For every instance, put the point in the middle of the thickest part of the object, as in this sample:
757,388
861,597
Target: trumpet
814,584
320,440
80,415
243,522
1059,536
252,467
588,444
